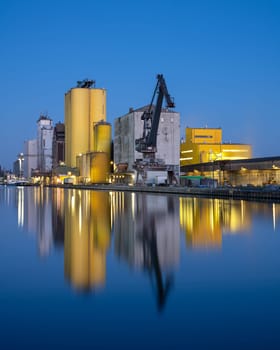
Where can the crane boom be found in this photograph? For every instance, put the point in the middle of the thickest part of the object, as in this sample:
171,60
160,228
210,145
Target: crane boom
147,144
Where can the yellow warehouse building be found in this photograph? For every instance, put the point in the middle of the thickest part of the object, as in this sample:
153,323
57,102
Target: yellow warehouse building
204,145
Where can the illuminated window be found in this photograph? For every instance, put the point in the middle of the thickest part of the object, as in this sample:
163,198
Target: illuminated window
204,136
188,151
189,158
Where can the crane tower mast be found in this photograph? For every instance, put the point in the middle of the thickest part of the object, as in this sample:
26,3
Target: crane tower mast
147,144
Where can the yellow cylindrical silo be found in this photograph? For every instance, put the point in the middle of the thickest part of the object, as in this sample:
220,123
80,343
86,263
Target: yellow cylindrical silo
102,137
67,123
97,111
79,126
99,167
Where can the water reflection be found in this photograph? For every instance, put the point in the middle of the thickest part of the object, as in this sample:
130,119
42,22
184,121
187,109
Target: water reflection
146,229
147,236
87,238
206,220
201,221
35,208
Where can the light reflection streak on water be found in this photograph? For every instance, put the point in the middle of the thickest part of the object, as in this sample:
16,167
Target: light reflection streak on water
242,211
133,205
122,201
274,216
112,207
72,203
8,196
80,212
20,206
212,215
80,218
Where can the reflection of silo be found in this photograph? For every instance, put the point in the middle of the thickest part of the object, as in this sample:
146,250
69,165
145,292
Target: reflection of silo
102,137
100,229
100,214
97,111
84,107
99,167
77,241
86,238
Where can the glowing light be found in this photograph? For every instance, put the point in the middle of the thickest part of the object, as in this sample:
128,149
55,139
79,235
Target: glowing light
189,158
188,151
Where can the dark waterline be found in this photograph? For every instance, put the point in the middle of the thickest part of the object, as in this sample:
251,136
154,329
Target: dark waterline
96,269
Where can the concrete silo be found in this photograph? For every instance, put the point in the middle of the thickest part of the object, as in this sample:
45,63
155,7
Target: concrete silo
84,106
79,126
99,167
97,111
102,137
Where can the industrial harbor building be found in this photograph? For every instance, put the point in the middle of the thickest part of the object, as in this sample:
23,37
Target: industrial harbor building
242,172
80,149
203,155
204,145
58,144
45,139
30,157
129,127
38,153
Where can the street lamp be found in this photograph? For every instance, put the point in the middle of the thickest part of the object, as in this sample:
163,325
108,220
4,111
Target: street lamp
20,160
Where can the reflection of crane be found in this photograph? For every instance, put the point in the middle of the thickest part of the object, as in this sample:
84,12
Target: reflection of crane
151,252
151,258
147,144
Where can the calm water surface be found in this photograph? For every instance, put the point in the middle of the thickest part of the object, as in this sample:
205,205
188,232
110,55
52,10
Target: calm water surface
107,270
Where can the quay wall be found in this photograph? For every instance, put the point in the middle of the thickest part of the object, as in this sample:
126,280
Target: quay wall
226,193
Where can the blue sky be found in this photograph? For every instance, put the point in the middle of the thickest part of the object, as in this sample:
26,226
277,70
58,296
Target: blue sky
220,60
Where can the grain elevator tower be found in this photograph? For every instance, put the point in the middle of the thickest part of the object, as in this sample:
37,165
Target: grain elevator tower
85,106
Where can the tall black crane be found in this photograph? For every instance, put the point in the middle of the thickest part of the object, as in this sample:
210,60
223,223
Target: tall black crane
147,144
